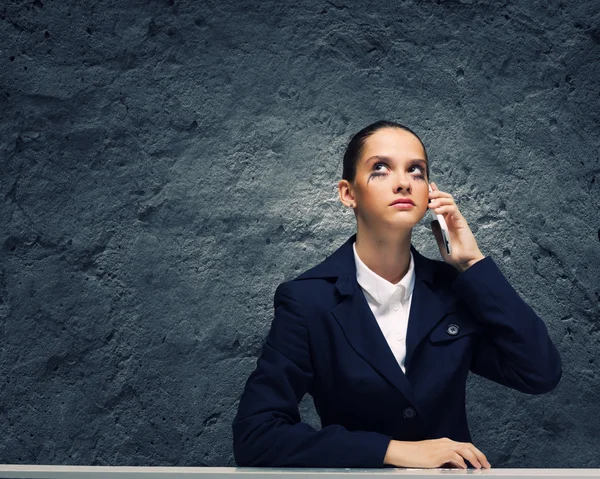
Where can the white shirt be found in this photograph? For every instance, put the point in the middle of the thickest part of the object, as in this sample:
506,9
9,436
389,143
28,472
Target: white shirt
390,304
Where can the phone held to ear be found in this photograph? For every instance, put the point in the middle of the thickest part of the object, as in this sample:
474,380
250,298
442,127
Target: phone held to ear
443,227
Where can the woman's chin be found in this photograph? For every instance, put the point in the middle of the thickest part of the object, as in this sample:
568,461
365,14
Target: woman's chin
401,224
405,221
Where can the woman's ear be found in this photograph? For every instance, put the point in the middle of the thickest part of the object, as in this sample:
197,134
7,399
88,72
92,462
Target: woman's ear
346,194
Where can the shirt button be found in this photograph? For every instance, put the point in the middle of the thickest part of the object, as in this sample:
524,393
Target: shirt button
452,329
409,412
395,306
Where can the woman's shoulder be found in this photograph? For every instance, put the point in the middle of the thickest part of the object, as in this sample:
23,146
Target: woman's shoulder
322,279
339,269
306,287
337,264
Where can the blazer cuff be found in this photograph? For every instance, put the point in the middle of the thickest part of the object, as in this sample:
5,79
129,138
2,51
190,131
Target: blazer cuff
375,449
477,273
483,286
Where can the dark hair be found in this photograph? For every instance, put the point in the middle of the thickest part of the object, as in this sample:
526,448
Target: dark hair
356,147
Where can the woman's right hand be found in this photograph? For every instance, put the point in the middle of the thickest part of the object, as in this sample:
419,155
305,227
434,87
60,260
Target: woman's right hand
433,453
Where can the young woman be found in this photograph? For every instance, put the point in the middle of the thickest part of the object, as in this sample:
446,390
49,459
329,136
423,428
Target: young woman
382,338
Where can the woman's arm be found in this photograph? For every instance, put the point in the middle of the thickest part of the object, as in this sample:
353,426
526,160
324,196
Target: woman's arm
267,430
516,350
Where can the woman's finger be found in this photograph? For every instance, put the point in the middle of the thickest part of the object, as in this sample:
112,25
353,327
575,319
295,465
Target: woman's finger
470,456
436,190
457,459
441,201
480,456
440,210
439,194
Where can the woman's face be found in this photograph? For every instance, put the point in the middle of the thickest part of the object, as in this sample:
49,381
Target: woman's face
392,167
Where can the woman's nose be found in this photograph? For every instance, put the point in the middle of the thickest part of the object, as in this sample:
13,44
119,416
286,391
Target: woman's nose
402,184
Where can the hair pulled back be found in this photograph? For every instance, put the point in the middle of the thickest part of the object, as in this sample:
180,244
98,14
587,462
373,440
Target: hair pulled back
356,147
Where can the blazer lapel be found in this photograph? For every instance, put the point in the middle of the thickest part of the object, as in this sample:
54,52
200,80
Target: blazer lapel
360,326
363,333
426,311
427,307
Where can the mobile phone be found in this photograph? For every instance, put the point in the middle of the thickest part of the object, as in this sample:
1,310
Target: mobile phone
443,227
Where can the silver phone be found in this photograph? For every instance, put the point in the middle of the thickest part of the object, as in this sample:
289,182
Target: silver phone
443,227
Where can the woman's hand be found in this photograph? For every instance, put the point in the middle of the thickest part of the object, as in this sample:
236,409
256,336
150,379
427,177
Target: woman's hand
465,251
434,453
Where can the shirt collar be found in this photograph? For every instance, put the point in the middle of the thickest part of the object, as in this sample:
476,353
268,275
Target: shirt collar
379,288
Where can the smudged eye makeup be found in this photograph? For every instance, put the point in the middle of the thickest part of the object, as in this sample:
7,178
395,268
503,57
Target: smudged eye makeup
421,175
378,172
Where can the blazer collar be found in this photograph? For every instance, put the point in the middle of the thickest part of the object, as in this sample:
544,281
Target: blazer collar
340,264
360,326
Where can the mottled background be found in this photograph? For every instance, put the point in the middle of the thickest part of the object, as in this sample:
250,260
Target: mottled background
166,164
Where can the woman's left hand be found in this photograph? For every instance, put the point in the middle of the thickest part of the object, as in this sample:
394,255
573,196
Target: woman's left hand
464,249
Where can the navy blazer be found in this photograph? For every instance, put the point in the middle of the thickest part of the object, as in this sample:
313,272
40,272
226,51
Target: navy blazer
324,340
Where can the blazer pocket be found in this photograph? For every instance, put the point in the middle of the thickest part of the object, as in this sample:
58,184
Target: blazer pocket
452,328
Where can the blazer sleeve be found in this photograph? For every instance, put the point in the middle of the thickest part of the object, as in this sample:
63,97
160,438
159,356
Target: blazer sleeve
515,349
267,431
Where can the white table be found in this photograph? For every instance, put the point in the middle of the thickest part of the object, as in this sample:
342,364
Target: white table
116,472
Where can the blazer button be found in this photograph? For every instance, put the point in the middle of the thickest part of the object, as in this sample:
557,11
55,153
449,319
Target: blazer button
452,329
409,412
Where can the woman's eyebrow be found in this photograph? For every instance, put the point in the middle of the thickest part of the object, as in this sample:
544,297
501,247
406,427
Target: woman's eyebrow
368,160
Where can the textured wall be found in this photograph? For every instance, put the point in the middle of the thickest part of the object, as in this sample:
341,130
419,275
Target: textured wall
165,165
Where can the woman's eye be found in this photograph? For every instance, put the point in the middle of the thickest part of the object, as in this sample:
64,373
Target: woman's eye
377,171
418,169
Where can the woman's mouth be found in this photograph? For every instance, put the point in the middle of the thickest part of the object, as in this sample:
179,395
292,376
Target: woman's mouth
403,206
403,203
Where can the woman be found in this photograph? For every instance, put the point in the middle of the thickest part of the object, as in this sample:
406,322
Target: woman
383,338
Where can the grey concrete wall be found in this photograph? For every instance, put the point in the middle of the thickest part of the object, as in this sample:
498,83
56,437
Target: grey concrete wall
165,164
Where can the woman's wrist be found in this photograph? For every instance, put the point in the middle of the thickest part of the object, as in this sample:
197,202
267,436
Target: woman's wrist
394,455
388,459
462,267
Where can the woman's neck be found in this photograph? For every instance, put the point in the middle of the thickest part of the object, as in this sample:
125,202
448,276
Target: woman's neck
388,257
